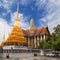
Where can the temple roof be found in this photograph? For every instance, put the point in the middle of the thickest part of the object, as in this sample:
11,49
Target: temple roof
43,30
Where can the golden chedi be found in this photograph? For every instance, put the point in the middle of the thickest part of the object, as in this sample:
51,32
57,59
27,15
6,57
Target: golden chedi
16,37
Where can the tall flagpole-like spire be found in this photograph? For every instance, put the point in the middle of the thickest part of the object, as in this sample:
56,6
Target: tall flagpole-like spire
17,11
17,23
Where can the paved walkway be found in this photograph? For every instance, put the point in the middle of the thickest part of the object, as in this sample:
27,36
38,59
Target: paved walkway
32,58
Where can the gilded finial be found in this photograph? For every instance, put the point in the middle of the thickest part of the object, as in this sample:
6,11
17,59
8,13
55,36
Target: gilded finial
17,11
17,23
32,23
32,27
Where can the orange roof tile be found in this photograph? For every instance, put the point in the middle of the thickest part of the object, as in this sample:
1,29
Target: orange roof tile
43,30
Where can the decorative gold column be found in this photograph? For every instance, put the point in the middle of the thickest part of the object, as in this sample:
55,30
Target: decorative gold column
38,40
44,37
41,38
34,42
28,42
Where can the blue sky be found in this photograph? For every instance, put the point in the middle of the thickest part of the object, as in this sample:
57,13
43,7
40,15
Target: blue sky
44,12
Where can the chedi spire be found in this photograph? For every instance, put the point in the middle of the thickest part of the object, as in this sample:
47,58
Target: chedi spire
16,38
32,27
17,23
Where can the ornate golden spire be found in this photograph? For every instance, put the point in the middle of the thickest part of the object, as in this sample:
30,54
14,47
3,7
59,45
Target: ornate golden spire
32,24
32,27
16,37
17,14
17,23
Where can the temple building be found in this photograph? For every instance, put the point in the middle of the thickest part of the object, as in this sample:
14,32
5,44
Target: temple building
34,35
30,38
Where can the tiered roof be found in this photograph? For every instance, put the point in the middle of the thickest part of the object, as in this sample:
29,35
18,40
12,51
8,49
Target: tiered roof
43,30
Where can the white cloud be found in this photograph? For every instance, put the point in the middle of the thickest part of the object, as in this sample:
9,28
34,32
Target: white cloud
53,24
54,21
4,28
56,2
3,14
40,4
26,2
43,19
53,15
5,6
7,3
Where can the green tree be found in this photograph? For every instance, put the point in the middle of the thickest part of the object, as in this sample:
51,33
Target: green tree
53,41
